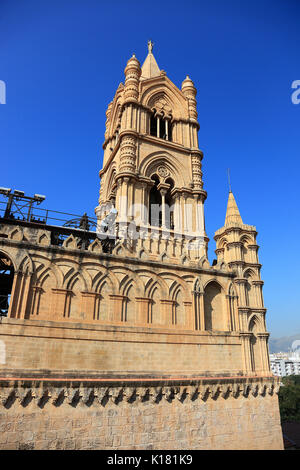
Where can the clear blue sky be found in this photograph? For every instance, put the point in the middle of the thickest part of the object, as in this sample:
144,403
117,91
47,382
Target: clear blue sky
62,61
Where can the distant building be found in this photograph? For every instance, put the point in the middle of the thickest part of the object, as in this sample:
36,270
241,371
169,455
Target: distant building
283,364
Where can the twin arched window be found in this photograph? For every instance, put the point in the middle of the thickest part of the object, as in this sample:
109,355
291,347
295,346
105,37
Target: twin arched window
155,204
160,126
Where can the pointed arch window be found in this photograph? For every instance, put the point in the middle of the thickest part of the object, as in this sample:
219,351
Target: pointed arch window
161,204
153,124
160,126
155,213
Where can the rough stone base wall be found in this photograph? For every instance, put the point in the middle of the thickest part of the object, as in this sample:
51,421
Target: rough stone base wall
127,418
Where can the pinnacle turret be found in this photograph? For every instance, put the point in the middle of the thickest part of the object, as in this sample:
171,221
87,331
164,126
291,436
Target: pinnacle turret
233,215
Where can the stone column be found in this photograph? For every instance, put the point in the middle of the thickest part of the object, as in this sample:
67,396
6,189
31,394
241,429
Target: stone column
202,311
190,92
166,129
197,215
258,293
197,310
200,217
229,313
144,203
119,196
163,188
23,295
243,316
241,283
130,198
185,213
124,201
15,294
158,126
132,77
107,122
36,293
174,132
235,312
253,253
177,213
262,337
195,134
245,337
163,193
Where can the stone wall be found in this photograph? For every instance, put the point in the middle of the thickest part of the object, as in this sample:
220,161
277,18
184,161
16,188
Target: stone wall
216,414
57,346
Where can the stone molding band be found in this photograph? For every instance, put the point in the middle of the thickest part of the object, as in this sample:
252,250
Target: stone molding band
102,391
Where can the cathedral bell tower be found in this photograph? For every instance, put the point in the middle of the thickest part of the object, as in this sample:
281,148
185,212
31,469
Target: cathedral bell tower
152,163
139,329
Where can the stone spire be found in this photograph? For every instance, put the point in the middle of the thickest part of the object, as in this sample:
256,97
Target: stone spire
233,215
150,68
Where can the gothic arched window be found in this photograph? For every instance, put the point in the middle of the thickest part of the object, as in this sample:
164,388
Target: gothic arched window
155,215
153,124
160,126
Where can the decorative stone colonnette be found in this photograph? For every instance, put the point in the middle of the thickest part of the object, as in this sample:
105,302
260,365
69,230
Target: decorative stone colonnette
139,413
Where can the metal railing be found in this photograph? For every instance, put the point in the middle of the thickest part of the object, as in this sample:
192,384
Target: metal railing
44,216
60,224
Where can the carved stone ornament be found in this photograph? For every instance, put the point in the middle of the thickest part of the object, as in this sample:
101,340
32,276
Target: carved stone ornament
24,391
162,171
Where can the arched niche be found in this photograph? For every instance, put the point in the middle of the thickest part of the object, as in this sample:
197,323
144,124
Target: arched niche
43,298
102,309
155,307
179,315
129,306
250,288
74,308
214,311
255,349
245,250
